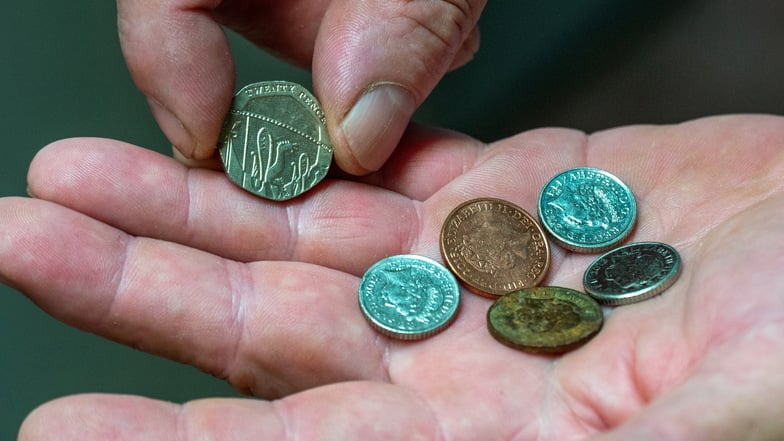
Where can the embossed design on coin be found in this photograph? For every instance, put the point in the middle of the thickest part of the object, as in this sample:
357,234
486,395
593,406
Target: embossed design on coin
274,141
587,210
409,297
544,320
494,247
632,273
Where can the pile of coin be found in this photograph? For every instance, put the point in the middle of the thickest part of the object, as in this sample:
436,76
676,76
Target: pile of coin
498,250
274,144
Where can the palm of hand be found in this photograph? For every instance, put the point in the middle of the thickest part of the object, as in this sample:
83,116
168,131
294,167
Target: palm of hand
150,254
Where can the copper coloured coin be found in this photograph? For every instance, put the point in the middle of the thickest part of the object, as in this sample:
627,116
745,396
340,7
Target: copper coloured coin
494,247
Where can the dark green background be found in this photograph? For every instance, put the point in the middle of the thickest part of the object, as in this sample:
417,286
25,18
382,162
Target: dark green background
588,64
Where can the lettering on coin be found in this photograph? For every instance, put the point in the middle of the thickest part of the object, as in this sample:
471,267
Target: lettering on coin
494,247
587,209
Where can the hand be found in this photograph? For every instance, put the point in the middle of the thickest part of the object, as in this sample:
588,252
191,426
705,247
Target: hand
373,63
136,247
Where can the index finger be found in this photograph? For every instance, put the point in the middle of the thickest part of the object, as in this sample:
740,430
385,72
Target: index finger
180,60
269,328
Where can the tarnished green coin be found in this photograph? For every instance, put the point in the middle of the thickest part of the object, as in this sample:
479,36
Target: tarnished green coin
632,273
274,141
587,210
544,319
408,297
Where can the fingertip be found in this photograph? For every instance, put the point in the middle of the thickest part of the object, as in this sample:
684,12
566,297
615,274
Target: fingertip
174,128
373,127
99,417
211,163
467,51
50,420
47,167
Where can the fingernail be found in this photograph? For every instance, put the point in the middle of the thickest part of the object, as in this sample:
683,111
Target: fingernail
211,163
173,127
375,124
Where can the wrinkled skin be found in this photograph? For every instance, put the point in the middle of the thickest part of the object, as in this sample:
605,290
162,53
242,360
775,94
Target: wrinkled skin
136,247
373,62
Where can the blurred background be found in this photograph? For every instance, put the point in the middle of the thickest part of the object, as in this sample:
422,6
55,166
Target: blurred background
588,64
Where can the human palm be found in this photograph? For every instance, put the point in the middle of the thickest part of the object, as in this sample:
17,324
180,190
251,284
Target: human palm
133,246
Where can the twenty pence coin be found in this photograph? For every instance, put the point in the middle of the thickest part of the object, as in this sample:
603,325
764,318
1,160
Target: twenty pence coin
494,247
544,320
587,210
632,273
408,297
274,140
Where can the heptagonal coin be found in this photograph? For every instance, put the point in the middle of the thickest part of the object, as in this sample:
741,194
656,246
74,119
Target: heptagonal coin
274,141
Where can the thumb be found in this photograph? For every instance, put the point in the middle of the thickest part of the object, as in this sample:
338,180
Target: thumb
376,61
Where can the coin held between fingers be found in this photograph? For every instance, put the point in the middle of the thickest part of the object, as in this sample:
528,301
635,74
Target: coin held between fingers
274,141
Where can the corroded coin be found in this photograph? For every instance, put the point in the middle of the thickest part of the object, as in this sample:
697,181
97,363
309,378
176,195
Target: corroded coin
408,297
274,141
587,210
544,320
632,273
494,247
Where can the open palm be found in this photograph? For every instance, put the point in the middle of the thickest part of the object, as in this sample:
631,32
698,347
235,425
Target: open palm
133,246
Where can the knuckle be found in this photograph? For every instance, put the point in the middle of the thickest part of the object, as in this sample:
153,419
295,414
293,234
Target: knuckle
454,20
451,22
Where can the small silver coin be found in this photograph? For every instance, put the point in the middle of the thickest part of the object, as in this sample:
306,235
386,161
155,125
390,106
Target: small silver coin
274,140
408,297
632,273
587,210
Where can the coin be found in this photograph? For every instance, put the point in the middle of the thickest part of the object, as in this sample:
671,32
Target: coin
408,297
632,273
587,210
544,320
274,140
494,247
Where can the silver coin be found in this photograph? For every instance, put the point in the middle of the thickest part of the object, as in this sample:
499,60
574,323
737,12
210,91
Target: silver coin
587,210
409,297
632,273
274,141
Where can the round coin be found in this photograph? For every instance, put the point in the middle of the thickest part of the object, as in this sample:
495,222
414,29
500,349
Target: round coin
408,297
544,320
587,210
494,247
632,273
274,140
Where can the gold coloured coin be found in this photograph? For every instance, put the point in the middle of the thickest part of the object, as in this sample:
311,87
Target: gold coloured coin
494,247
274,141
544,320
